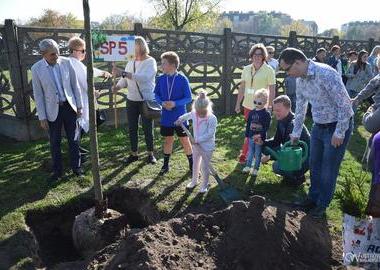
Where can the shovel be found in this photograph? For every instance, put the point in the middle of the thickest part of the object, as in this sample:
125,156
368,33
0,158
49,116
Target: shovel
228,194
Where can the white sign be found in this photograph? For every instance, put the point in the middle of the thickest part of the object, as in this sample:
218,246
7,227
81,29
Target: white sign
116,48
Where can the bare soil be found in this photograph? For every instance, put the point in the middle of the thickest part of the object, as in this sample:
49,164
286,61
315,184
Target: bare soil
246,235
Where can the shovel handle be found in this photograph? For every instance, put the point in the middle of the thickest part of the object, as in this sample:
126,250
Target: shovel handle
188,133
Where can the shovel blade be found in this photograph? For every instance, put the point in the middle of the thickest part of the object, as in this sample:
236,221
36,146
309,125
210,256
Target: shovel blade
229,194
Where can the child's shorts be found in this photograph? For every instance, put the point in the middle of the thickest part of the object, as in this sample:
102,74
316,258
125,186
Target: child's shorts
169,131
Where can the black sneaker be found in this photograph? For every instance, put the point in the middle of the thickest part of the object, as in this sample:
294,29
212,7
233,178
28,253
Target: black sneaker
54,177
287,181
318,212
164,170
151,159
294,182
78,173
306,204
300,180
131,159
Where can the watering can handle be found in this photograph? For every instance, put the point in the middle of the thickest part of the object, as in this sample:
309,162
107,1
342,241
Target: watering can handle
305,151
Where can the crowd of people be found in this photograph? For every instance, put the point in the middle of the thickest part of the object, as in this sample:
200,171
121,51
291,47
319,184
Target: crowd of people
333,85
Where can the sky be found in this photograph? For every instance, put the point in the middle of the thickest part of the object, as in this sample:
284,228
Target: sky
326,13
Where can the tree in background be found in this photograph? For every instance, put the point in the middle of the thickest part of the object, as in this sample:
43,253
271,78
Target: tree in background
353,32
52,18
268,24
220,24
118,22
297,26
264,22
189,15
361,30
330,33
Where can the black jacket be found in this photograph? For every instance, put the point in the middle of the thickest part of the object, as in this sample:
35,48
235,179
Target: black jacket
283,130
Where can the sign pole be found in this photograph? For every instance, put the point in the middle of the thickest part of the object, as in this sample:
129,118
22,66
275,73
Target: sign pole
114,95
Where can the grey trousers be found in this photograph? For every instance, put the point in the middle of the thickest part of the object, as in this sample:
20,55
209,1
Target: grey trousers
368,155
371,122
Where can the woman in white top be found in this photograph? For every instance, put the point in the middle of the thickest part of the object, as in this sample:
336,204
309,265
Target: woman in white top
77,55
140,75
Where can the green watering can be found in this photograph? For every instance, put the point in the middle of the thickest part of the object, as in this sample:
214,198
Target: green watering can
290,157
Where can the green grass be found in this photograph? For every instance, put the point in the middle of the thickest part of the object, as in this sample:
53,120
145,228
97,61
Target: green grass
23,184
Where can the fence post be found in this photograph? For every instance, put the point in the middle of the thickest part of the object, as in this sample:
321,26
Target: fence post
138,29
335,41
292,39
371,44
227,71
11,44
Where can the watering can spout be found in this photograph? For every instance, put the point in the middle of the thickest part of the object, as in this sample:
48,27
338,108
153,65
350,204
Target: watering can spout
271,152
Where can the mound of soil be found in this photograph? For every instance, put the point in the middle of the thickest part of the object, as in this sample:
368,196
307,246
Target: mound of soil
246,235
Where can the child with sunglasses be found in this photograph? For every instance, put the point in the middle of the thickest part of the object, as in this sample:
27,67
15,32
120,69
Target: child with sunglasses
257,126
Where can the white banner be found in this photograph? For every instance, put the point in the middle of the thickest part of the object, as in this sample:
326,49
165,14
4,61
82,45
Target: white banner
116,48
361,241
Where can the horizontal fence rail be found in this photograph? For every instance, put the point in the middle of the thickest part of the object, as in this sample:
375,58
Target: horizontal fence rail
212,62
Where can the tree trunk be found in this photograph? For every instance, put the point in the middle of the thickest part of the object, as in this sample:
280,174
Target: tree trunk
100,207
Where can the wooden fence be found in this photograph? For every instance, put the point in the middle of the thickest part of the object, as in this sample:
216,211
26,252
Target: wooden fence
211,62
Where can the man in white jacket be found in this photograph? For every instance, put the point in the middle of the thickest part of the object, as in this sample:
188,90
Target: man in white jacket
77,48
58,102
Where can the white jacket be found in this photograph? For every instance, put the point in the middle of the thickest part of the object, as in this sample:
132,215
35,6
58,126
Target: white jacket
45,91
144,75
81,72
204,129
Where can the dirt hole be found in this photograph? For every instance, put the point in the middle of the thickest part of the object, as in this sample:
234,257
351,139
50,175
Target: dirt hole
52,226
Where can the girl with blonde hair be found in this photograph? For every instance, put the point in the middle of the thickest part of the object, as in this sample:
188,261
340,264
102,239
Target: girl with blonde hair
204,129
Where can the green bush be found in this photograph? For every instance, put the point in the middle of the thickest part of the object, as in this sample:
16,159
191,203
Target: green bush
353,193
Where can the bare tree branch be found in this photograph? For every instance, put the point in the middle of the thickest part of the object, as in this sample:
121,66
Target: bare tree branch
187,12
172,16
191,19
176,14
182,12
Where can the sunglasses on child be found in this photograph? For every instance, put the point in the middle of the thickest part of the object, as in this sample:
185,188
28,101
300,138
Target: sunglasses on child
82,51
258,102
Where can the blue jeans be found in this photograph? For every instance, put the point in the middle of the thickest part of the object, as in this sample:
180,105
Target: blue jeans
254,151
325,161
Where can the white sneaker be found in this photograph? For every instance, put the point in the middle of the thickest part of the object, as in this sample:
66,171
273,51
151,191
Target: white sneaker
246,169
191,185
255,172
203,189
